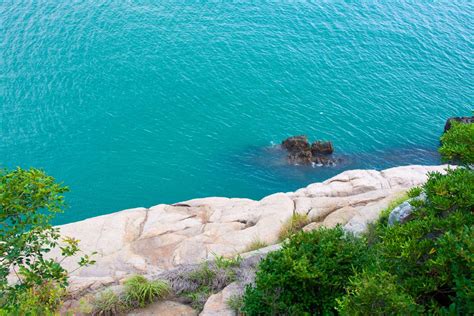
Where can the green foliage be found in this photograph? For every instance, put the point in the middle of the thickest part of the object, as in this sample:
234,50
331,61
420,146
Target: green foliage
423,266
293,225
29,199
373,229
226,263
376,293
307,275
140,292
42,299
429,255
457,144
106,303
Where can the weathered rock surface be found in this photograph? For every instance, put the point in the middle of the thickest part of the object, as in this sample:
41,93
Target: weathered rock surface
165,308
217,305
151,241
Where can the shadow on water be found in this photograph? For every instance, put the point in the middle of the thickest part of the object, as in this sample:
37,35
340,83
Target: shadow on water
270,164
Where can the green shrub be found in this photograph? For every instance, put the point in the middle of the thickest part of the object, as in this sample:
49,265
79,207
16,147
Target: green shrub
454,265
428,253
376,293
425,265
373,229
140,292
29,200
457,144
294,224
44,299
307,275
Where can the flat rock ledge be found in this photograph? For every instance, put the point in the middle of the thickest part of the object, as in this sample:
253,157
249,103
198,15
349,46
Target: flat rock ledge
161,238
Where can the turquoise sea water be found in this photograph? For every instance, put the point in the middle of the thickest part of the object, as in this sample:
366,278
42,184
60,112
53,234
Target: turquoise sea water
134,103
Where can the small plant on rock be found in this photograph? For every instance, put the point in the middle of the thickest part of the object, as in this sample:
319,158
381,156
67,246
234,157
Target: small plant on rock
255,245
294,224
105,303
140,292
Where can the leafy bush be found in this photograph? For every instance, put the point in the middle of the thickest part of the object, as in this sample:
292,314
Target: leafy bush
42,299
376,293
423,266
29,199
373,229
428,254
458,142
140,292
294,224
307,275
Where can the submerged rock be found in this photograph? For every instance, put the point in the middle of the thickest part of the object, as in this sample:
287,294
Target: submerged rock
300,151
300,157
460,119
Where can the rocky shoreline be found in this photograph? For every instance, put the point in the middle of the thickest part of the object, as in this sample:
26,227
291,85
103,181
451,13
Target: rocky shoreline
152,241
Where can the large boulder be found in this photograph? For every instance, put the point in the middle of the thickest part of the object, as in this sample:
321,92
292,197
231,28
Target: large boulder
460,119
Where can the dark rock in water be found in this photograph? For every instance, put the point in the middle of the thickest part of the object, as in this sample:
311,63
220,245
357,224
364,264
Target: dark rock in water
322,148
300,157
296,144
301,152
460,119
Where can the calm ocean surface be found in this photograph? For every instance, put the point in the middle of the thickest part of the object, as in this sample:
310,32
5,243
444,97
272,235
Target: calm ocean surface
134,104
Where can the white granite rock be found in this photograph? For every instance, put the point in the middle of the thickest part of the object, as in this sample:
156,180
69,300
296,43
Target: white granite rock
216,304
148,241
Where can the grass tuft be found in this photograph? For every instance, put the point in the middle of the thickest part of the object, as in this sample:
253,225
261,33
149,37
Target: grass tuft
294,224
106,303
255,245
140,292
